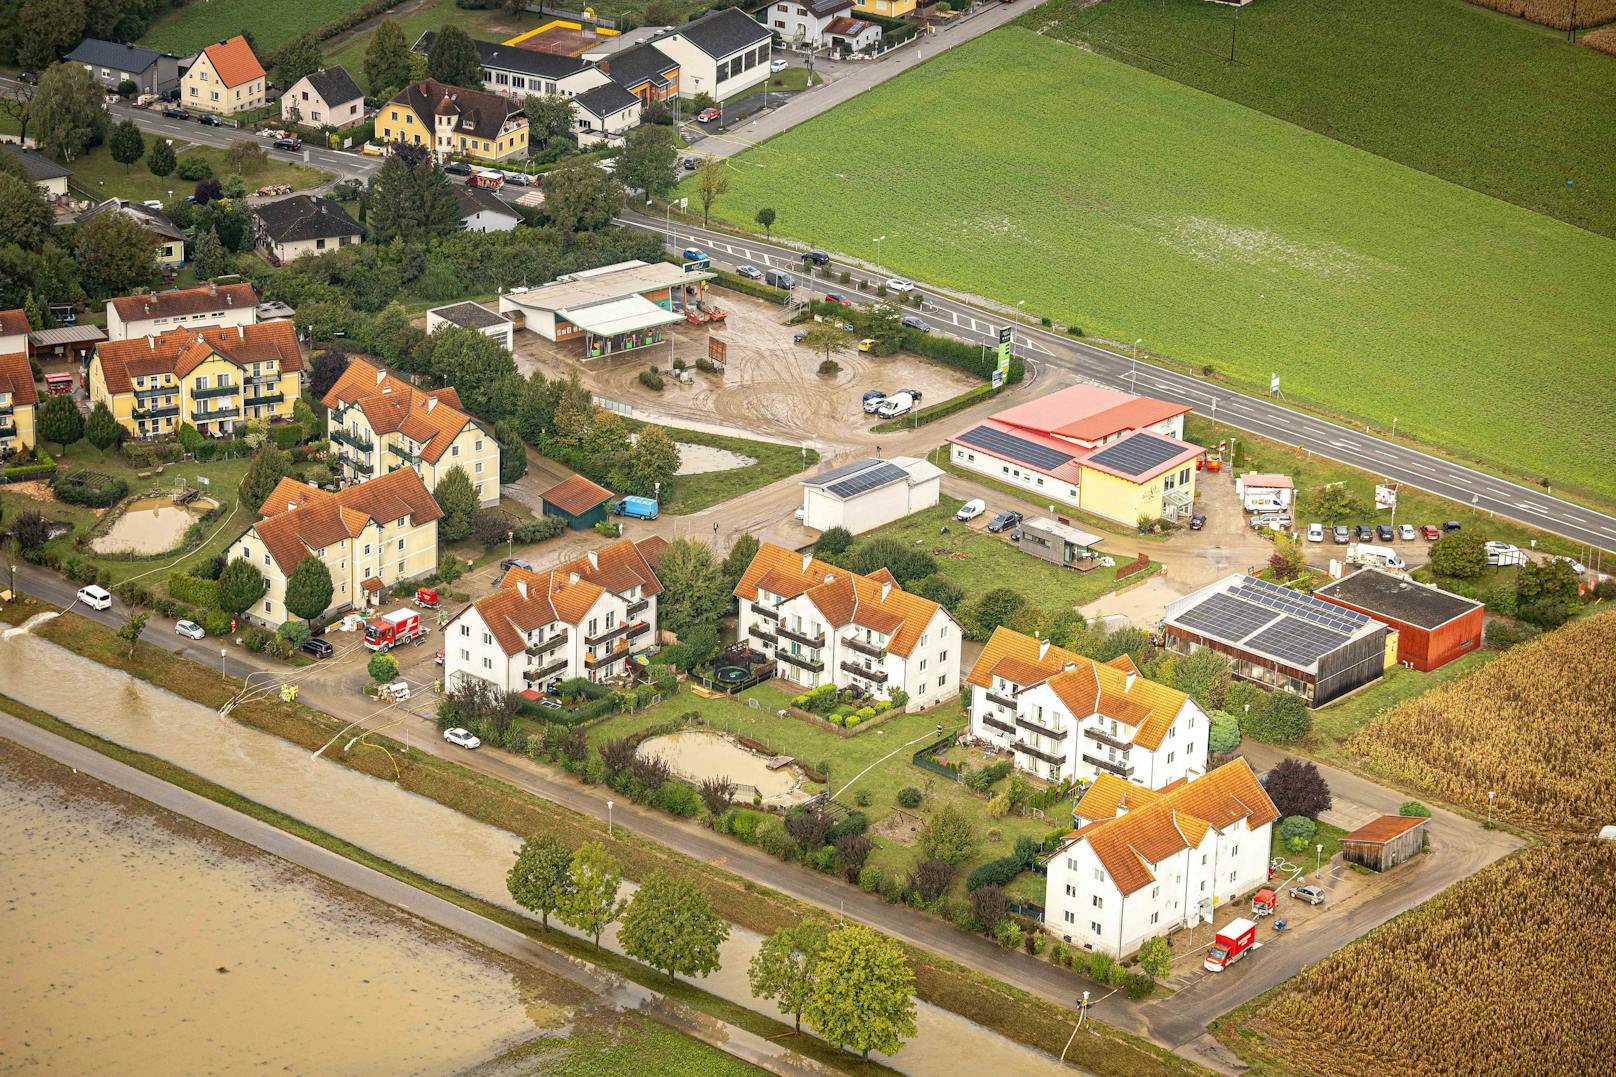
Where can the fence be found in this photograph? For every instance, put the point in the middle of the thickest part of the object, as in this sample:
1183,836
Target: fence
920,759
731,688
1029,910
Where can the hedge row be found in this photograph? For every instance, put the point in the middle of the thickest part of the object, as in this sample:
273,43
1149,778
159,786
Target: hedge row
937,411
749,287
25,472
286,436
198,592
971,358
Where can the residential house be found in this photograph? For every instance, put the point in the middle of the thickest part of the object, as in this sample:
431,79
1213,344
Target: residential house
170,240
216,379
1063,716
604,114
644,71
454,122
801,23
825,625
379,423
18,398
720,54
516,72
848,35
867,493
14,332
327,98
891,9
112,63
473,316
1144,863
585,618
225,78
371,537
302,224
576,501
481,210
47,175
205,306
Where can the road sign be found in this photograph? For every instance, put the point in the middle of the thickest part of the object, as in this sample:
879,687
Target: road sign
998,378
1273,383
1006,342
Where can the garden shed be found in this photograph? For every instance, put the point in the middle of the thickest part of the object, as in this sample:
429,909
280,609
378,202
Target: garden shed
581,503
1385,842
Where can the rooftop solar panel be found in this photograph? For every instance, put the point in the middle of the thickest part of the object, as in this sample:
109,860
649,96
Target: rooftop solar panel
1226,617
868,480
1008,445
840,472
1296,641
1304,607
1138,454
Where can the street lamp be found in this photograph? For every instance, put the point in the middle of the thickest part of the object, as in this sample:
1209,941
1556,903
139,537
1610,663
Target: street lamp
1394,426
1318,857
1490,794
223,654
878,240
608,818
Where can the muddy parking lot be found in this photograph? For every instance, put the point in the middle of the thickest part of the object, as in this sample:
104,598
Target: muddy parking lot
770,387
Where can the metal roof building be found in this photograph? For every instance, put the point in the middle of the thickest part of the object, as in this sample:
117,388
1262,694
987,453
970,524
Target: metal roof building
870,492
611,309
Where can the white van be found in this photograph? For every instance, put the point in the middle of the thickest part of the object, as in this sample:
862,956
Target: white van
1378,556
397,692
895,405
95,598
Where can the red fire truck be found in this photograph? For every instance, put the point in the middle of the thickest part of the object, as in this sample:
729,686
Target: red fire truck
1233,940
394,630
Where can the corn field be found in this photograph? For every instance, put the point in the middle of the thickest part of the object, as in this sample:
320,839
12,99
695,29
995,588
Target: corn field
1537,727
1555,13
1508,972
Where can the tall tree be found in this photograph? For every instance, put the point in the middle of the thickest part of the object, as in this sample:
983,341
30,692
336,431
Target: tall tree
59,421
580,197
269,466
387,58
863,994
1297,788
299,57
692,586
245,158
650,154
308,589
482,371
458,499
66,113
590,903
26,218
46,29
102,429
765,219
535,416
240,586
739,557
711,182
126,144
512,453
541,875
410,199
783,969
670,925
132,628
161,160
828,337
208,257
549,117
948,836
15,100
115,255
327,368
653,459
453,58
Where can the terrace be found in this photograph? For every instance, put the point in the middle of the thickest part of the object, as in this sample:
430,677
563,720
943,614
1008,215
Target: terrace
802,638
544,647
809,664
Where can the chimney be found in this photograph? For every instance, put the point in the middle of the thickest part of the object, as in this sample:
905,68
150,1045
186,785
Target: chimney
1043,649
886,589
213,289
594,560
521,587
572,577
431,402
1127,682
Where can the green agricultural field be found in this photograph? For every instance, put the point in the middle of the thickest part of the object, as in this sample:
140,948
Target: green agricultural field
1495,104
1136,207
486,25
185,30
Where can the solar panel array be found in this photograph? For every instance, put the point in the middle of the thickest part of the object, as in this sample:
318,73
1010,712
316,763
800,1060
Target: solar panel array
840,472
1296,641
1008,445
868,480
1138,454
1226,617
1302,607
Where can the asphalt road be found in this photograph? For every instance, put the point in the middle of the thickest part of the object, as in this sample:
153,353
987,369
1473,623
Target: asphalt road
435,910
1041,348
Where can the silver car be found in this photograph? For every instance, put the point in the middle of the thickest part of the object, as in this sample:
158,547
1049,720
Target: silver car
750,272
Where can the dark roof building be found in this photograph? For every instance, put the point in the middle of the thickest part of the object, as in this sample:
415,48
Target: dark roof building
470,316
41,168
475,200
335,85
1433,626
606,100
479,113
723,33
154,221
642,66
499,59
304,219
112,62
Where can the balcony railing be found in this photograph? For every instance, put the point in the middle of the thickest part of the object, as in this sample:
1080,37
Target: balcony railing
343,437
608,635
800,662
638,607
545,671
806,641
265,379
361,466
7,410
1039,753
994,723
8,430
544,647
161,390
214,390
404,454
1106,738
1003,701
879,676
638,628
267,398
606,657
215,415
874,650
1121,770
766,611
157,413
1034,727
758,632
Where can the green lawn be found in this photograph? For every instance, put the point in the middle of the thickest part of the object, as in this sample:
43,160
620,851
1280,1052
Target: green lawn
978,562
692,493
1495,104
1326,835
485,25
97,174
185,30
1137,207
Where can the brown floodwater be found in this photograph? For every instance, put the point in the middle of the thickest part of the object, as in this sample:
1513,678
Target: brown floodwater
134,941
400,826
148,525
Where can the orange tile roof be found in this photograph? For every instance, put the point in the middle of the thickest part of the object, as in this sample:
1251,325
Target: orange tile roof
1384,829
1088,413
619,567
1108,792
13,323
575,496
180,351
178,302
320,519
874,602
392,405
17,378
234,62
782,572
1008,643
555,595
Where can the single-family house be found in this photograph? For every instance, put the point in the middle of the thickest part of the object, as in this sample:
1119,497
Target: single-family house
481,210
846,34
720,54
170,240
604,114
291,227
371,537
112,63
47,175
891,9
327,98
18,398
451,121
802,23
224,78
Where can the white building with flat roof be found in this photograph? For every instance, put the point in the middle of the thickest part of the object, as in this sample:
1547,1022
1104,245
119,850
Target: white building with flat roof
868,493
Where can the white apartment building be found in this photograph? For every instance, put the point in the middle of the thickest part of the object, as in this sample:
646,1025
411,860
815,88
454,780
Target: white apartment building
585,618
1144,863
824,625
370,536
1066,716
379,423
205,306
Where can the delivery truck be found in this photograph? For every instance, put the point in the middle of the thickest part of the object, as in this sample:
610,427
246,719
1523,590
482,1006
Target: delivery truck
638,508
1233,940
1362,553
394,630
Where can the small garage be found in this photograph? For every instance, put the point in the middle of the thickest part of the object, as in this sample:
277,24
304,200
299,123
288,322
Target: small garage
867,493
581,503
1386,842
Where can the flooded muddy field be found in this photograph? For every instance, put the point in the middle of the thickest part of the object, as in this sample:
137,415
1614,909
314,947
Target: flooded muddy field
148,525
698,754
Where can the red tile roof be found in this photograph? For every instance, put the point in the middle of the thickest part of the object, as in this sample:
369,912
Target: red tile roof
299,518
575,496
181,350
1089,413
17,378
179,302
13,322
234,61
1384,829
390,404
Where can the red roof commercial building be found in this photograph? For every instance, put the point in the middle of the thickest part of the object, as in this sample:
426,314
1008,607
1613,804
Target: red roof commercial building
1433,626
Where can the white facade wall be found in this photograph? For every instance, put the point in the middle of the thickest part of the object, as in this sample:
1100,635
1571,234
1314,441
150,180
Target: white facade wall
118,329
929,675
698,72
1041,486
485,221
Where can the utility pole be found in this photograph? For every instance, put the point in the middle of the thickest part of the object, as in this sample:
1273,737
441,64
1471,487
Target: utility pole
1571,27
1234,28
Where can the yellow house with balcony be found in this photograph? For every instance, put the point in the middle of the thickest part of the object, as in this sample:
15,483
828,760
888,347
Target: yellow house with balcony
892,9
454,122
18,397
215,379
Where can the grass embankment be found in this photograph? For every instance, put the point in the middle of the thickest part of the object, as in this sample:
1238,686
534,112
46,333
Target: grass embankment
98,175
1005,1009
692,493
1492,104
185,29
1338,278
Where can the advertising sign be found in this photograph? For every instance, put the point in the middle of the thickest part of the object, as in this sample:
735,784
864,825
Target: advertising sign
1386,495
717,351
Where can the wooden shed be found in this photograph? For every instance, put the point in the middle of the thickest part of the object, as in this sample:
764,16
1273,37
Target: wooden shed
581,503
1386,842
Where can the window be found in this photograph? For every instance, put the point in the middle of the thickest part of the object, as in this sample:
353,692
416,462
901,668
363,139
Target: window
1169,757
266,559
465,655
487,639
1070,919
401,544
922,687
1071,891
1234,850
1094,926
268,605
942,680
488,663
922,665
1231,876
1155,917
1099,875
1071,865
1099,902
942,632
465,630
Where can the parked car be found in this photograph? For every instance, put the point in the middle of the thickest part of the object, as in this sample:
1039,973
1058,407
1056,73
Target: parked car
901,284
1310,894
1452,525
1341,534
1366,533
872,400
28,76
818,258
519,179
317,648
801,335
912,322
461,737
1406,532
1197,521
1003,521
912,392
189,629
838,298
750,272
514,562
1431,532
775,278
1576,566
693,254
458,168
971,509
1315,532
708,115
1271,521
690,164
895,405
209,121
291,145
95,597
776,66
867,344
176,114
1385,533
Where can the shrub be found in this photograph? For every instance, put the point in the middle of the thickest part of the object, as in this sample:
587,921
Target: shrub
829,368
196,591
1102,969
1281,719
1137,984
1156,958
91,488
651,379
853,850
833,542
988,907
1297,826
993,873
930,878
855,822
869,879
743,824
541,529
1414,809
1007,933
717,793
193,169
909,797
773,839
823,859
893,889
1503,635
216,623
677,798
1224,736
1297,788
